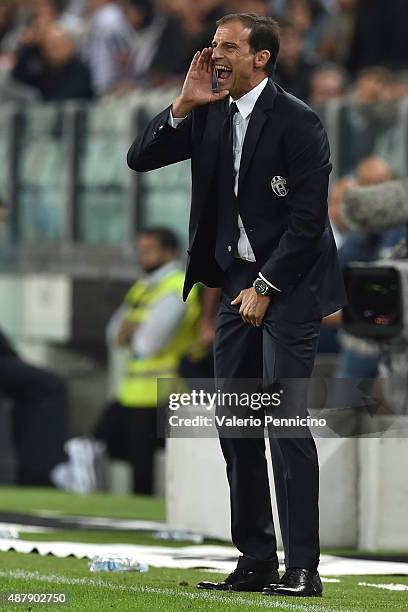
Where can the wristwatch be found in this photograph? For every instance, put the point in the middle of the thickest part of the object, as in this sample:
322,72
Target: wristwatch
261,287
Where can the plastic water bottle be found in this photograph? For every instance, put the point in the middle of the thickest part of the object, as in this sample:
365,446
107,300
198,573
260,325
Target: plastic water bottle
116,563
9,533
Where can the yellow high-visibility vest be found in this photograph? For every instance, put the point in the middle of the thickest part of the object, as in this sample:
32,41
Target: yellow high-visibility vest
139,387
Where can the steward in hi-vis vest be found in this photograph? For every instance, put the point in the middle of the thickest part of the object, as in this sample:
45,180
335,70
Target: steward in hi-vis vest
139,384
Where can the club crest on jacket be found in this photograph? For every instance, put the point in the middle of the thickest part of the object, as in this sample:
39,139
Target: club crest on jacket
279,186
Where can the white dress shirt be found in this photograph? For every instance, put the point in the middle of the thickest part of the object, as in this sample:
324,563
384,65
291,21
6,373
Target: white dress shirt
241,120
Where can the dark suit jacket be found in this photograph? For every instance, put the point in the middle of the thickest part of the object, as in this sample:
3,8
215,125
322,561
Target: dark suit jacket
291,235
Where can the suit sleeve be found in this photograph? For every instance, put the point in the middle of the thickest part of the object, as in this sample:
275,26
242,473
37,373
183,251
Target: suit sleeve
160,144
308,157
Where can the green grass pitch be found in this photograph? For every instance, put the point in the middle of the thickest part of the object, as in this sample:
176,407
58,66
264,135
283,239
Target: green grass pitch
159,590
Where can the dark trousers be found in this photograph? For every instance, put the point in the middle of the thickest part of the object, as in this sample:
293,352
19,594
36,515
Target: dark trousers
39,415
130,434
278,350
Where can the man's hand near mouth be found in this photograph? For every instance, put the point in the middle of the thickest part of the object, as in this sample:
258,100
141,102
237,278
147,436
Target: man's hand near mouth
197,85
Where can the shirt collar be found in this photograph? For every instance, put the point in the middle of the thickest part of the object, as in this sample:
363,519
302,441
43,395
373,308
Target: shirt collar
247,102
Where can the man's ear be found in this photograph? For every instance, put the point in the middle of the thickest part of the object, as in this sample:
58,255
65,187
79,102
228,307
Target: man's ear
261,59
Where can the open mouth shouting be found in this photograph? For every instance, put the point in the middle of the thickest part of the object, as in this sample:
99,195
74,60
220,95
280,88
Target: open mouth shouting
223,72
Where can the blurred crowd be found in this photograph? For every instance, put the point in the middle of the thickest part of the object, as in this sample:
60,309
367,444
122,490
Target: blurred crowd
83,49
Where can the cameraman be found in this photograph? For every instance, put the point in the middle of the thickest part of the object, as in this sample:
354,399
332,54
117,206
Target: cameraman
359,358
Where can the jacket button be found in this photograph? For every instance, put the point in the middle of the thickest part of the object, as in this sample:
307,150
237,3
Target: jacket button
229,248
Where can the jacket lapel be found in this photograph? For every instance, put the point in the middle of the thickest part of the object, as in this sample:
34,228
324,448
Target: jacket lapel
255,126
207,159
211,141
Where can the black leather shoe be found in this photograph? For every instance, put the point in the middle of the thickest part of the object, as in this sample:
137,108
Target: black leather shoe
243,580
296,582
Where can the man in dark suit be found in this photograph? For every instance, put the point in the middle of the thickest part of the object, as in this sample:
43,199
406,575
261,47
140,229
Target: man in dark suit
259,230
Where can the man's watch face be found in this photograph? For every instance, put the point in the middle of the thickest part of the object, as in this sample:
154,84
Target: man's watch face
261,287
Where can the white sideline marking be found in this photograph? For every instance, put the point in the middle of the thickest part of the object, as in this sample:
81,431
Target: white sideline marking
388,587
5,527
221,558
262,602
